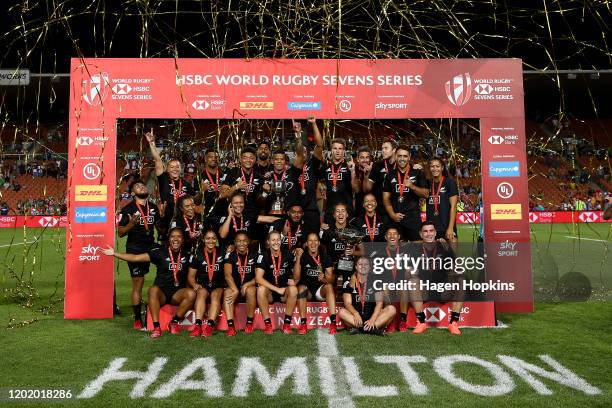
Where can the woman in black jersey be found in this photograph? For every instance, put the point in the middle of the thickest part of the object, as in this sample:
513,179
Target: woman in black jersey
364,310
442,201
190,222
169,286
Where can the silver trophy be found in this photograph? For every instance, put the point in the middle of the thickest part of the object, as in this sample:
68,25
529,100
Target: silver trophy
350,237
278,188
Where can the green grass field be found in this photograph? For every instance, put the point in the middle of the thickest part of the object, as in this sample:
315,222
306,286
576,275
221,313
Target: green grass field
44,351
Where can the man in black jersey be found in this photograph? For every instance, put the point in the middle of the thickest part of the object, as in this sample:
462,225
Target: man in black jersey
189,221
371,223
402,189
442,201
171,185
279,174
212,179
263,165
338,175
274,275
364,310
435,255
237,220
292,229
206,277
379,170
169,286
361,179
246,180
304,173
239,267
138,219
315,275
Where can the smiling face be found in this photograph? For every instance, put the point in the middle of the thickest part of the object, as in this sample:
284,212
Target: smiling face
274,241
435,167
340,214
212,159
364,159
247,160
369,204
392,237
237,204
402,158
295,214
279,162
175,240
188,208
174,169
428,233
242,243
363,267
312,243
263,152
210,240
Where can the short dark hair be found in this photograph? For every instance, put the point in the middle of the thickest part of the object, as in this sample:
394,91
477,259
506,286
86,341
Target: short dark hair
236,194
426,223
391,141
181,201
362,149
249,149
338,140
263,142
403,147
210,150
134,182
279,151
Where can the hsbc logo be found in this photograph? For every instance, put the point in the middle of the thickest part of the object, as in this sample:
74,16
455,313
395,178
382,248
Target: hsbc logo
483,89
122,89
47,222
84,141
459,89
533,217
507,139
189,319
91,171
200,105
468,218
505,190
434,314
89,253
588,216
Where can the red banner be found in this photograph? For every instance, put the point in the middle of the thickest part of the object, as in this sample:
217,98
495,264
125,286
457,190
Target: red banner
33,221
103,90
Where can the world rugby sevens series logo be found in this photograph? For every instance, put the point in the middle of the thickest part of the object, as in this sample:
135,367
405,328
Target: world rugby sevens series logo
459,89
96,89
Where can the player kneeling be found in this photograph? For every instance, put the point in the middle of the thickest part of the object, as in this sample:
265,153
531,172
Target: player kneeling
364,310
169,286
274,276
315,274
206,278
239,268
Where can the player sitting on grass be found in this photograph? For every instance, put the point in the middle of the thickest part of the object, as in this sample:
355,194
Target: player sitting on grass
206,278
274,275
314,272
169,286
364,310
239,268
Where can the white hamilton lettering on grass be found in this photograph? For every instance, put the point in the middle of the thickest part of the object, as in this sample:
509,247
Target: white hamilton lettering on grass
332,379
503,382
411,377
250,367
113,373
561,375
211,385
359,388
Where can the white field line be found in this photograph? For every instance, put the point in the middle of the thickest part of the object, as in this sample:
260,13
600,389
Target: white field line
331,372
586,239
17,243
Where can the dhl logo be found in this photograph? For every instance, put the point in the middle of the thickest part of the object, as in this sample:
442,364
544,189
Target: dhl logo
90,193
257,105
506,212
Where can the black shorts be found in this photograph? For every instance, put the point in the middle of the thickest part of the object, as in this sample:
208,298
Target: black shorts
169,291
138,269
367,312
312,287
212,286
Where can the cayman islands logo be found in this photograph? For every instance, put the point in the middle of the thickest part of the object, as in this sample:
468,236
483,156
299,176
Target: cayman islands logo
459,89
96,89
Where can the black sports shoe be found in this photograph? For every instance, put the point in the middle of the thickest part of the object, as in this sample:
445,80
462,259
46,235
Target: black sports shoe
116,311
376,332
354,330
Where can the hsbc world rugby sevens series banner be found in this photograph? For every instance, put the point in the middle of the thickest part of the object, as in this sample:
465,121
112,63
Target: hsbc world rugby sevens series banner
103,90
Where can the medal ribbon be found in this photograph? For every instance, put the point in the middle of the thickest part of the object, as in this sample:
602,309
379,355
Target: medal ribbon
276,269
215,186
145,217
389,256
248,189
303,177
436,196
297,232
241,223
361,292
371,227
401,182
175,265
335,172
242,266
210,266
177,192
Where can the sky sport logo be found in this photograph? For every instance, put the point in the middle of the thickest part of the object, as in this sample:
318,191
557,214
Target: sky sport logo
90,215
504,169
459,89
506,212
89,253
256,105
95,89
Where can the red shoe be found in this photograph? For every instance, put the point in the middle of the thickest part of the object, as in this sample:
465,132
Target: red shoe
403,327
156,333
286,328
207,330
231,331
248,329
420,328
391,327
196,332
137,325
268,328
174,328
453,328
303,329
332,328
